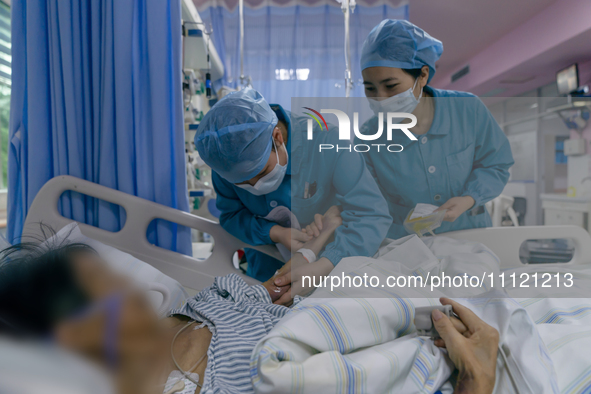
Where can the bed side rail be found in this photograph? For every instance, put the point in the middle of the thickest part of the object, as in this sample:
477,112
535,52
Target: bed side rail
190,272
506,241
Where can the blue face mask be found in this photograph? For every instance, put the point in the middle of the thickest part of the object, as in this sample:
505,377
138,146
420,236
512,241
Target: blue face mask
270,182
111,305
403,102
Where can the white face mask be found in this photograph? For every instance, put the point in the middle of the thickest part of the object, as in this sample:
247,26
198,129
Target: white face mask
270,182
403,102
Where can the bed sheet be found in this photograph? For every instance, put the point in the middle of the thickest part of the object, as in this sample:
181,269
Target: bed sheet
337,341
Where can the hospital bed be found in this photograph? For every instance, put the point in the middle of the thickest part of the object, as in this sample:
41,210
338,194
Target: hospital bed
196,274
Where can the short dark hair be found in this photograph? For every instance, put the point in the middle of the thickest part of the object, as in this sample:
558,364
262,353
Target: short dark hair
38,287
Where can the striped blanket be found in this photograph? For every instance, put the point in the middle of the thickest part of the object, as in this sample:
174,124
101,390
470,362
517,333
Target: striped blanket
344,342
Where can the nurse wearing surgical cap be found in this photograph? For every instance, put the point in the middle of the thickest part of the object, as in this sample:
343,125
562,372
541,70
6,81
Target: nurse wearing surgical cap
461,157
247,143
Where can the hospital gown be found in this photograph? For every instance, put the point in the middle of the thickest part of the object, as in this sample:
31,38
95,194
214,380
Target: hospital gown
464,153
238,316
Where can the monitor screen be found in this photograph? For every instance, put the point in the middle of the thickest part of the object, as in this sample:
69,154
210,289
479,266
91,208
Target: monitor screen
568,79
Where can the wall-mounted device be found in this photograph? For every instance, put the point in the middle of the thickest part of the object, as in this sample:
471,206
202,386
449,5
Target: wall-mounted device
575,147
199,53
568,79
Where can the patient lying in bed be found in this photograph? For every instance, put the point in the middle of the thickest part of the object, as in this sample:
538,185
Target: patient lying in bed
68,293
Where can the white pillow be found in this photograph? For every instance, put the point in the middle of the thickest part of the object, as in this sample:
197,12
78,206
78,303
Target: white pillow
35,368
127,265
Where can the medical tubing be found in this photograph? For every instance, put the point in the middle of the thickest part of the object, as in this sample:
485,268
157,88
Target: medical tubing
346,12
186,374
514,364
241,18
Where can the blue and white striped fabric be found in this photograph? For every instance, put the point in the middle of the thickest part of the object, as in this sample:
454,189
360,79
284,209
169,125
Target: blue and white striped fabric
238,316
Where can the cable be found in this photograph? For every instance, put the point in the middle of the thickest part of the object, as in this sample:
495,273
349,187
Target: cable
515,365
186,374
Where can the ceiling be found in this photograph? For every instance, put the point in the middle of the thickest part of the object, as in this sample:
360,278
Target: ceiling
467,26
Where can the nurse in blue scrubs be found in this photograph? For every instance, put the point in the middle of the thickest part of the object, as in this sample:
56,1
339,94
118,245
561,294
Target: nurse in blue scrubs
461,157
248,145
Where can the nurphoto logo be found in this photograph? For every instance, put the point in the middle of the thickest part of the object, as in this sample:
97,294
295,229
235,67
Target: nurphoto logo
393,120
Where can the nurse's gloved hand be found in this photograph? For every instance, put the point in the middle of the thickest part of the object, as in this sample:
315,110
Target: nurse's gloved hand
455,207
471,346
289,237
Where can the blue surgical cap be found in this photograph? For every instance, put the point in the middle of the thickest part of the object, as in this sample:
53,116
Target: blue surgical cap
400,44
234,138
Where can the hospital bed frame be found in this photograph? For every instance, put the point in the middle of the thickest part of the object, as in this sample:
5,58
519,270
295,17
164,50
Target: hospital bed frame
196,274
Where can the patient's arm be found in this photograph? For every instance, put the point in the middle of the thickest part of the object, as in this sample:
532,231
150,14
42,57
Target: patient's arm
279,285
314,228
329,225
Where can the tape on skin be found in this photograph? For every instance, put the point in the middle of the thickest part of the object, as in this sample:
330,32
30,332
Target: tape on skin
308,255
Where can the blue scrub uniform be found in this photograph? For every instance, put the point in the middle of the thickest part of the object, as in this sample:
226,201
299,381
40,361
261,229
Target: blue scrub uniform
365,212
464,153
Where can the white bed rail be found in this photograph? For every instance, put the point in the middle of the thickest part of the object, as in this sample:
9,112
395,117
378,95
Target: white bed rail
190,272
197,274
506,241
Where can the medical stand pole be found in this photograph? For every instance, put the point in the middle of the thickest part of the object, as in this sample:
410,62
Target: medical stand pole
348,79
243,79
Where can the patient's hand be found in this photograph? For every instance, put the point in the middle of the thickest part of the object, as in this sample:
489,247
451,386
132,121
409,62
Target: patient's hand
319,268
275,291
472,346
330,222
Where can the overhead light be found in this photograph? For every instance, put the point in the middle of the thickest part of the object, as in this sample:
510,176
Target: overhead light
286,74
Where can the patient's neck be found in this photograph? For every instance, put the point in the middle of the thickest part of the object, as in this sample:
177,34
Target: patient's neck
146,365
140,364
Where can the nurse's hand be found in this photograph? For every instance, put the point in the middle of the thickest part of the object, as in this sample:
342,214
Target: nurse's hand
471,346
455,207
289,237
314,228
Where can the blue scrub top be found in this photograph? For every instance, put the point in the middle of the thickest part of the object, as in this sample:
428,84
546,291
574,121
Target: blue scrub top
365,212
464,153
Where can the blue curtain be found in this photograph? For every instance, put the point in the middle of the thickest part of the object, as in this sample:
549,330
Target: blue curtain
294,51
97,94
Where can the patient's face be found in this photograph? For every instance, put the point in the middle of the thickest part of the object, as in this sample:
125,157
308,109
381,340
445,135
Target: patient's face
113,303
